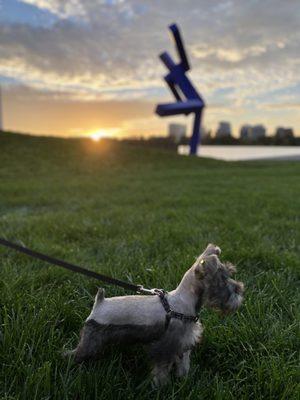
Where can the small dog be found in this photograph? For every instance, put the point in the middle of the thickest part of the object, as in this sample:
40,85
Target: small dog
165,322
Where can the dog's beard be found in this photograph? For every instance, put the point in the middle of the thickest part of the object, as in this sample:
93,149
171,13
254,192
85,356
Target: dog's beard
230,306
234,302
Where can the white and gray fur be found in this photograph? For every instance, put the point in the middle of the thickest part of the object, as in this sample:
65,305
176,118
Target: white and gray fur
142,319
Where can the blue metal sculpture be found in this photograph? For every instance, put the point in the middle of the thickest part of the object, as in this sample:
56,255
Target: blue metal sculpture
181,87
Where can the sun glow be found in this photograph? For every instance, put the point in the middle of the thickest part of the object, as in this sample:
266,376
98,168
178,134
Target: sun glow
97,135
103,134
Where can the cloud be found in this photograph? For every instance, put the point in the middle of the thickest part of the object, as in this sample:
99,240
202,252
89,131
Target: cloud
28,109
63,8
282,106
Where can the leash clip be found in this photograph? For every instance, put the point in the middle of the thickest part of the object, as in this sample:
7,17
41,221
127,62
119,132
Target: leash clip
143,290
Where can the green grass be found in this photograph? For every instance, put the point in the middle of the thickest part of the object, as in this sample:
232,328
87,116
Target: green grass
143,215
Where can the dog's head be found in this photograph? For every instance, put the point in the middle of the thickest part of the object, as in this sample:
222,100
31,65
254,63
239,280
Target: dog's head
219,290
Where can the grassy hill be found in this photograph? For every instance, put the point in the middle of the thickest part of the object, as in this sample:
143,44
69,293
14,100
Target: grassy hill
144,215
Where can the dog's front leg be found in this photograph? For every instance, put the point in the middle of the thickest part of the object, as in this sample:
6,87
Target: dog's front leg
160,373
182,364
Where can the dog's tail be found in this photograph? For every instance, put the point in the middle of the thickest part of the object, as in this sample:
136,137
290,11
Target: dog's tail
99,296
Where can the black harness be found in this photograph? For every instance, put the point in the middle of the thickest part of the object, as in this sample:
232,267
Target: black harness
107,279
171,313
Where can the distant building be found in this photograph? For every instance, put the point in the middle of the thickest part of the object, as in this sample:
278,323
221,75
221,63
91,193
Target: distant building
224,130
245,132
258,132
177,132
249,132
284,133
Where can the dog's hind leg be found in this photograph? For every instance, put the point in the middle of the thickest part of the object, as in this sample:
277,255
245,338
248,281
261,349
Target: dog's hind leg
90,344
91,337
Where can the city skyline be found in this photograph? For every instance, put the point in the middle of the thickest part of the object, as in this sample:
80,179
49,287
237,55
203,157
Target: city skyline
83,68
224,129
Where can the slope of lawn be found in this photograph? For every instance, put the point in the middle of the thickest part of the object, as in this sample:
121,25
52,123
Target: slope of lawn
143,215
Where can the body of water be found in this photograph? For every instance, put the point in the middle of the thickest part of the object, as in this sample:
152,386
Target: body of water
239,153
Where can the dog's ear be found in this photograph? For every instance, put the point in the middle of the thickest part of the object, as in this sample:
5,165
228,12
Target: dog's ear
206,265
211,249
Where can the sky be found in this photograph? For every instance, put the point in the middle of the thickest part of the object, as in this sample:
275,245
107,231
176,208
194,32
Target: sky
80,67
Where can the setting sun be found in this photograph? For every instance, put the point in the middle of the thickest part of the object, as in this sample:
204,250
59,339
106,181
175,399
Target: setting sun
97,135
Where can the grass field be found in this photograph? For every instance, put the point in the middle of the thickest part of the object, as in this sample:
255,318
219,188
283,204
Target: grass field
143,215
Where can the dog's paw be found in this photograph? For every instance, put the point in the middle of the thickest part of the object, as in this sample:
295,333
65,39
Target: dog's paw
68,353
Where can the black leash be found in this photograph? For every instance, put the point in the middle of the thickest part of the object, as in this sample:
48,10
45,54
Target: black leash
71,267
107,279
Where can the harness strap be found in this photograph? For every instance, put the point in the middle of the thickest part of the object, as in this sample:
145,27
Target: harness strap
171,313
